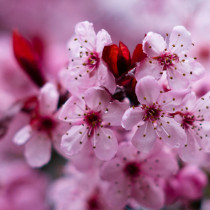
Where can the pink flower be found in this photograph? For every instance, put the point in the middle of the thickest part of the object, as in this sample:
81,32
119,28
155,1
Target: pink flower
86,68
152,118
171,58
194,117
38,134
187,185
91,118
79,191
22,188
135,175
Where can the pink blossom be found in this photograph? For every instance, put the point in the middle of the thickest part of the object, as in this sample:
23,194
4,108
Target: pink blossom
38,134
194,118
22,188
171,57
135,175
187,185
92,118
152,118
86,68
79,191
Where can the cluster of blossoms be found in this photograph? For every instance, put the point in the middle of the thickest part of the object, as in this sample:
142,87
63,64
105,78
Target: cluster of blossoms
132,127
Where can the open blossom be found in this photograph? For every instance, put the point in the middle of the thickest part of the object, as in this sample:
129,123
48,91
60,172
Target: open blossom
92,118
171,57
194,117
152,118
135,175
38,134
86,68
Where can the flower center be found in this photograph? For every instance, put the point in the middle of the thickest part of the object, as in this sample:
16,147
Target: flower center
132,169
47,123
151,112
188,120
41,123
93,203
93,60
93,119
167,60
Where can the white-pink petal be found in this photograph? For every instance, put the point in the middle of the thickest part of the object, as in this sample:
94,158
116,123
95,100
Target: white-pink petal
73,110
74,139
23,135
153,44
194,69
38,150
202,133
114,113
131,117
180,40
176,78
105,78
97,98
171,132
170,101
102,39
48,99
190,152
201,106
105,144
147,90
144,137
148,67
86,34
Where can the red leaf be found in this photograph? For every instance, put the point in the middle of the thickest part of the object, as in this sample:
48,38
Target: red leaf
110,56
27,58
124,52
124,60
138,54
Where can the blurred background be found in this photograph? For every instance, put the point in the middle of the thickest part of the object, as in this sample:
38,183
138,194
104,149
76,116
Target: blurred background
125,20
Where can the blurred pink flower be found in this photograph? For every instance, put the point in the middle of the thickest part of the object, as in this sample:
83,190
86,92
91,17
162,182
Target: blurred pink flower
187,185
22,188
79,191
38,135
135,175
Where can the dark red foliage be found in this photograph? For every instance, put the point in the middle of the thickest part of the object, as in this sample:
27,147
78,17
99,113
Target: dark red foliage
118,59
28,58
138,54
123,60
121,65
110,56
